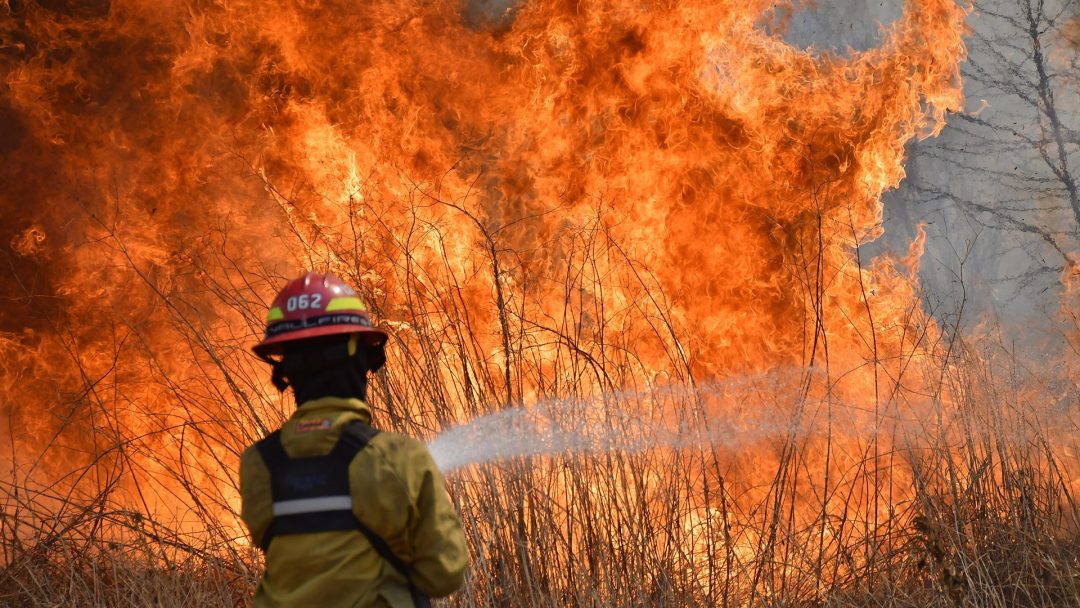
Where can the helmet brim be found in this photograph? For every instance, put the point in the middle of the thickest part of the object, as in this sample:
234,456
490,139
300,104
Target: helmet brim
275,345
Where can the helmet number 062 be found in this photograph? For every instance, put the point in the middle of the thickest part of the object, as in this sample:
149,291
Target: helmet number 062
304,302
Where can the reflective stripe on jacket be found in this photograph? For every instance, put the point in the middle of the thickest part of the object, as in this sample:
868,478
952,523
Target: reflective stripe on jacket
397,491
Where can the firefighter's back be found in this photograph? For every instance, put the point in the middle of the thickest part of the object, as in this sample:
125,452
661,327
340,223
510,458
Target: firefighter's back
327,569
396,493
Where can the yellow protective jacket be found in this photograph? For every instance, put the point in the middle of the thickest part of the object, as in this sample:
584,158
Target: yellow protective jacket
397,492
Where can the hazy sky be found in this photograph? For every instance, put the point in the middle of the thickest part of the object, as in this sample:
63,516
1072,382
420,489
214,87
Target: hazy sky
997,213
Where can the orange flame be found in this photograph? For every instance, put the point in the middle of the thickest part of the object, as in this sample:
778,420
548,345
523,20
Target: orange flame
565,197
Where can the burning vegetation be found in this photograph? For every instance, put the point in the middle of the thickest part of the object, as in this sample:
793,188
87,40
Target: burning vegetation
653,211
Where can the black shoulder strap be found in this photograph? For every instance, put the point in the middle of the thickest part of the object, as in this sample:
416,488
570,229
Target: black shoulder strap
362,433
355,436
419,599
271,450
383,549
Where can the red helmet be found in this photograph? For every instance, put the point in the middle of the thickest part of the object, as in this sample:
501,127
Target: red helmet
316,305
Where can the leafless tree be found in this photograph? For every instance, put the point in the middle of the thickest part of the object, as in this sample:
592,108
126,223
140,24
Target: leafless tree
1007,171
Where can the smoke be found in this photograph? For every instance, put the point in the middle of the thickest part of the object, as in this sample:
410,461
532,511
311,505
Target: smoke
993,190
836,27
492,15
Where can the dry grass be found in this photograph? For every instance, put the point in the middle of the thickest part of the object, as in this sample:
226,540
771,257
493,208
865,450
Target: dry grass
951,485
990,521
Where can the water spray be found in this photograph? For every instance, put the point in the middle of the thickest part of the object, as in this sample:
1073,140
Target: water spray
734,414
729,414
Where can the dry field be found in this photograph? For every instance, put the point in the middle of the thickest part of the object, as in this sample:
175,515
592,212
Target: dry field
577,203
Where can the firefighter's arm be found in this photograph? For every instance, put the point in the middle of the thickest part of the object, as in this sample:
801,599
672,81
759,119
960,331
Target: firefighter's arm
256,506
399,494
440,554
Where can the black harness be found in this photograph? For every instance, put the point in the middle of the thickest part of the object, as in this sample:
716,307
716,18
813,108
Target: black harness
313,495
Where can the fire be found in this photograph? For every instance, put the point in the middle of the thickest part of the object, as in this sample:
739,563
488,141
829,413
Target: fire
559,199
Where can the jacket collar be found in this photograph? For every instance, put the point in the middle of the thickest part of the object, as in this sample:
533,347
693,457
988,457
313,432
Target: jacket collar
333,405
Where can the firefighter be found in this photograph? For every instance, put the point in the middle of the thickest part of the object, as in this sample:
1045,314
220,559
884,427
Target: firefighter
346,515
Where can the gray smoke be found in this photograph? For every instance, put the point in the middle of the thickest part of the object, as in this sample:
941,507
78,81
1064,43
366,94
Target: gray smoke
997,190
